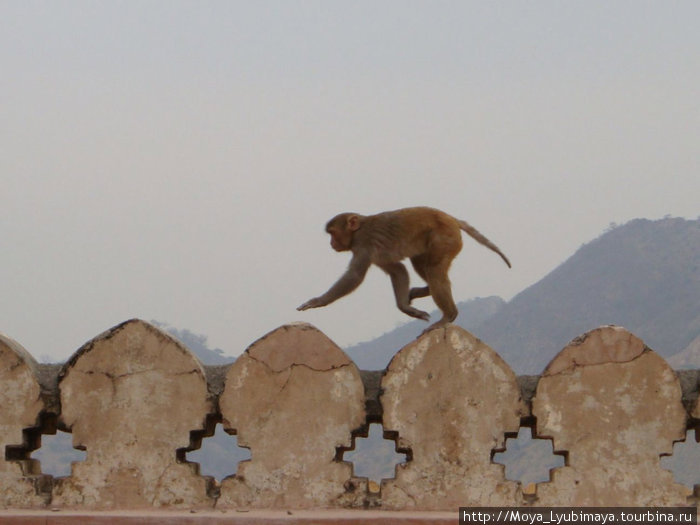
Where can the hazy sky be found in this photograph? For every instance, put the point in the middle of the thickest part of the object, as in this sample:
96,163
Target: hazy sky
178,160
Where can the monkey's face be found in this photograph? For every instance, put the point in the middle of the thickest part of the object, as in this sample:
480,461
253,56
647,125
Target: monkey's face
341,228
341,239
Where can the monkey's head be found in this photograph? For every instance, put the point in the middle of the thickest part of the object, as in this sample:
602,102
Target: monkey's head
341,228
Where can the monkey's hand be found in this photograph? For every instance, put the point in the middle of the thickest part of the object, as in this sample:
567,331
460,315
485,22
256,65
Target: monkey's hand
312,303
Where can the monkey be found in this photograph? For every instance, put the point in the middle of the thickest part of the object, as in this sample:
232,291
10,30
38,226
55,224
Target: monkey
430,238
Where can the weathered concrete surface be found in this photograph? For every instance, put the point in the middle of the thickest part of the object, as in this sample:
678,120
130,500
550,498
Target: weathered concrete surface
131,397
293,397
615,406
451,398
20,405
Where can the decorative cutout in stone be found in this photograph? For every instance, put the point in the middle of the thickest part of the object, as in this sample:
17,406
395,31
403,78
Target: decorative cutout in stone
374,457
527,459
57,454
218,455
685,460
21,482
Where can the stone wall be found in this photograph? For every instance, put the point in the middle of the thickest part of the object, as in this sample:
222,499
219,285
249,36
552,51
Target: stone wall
137,400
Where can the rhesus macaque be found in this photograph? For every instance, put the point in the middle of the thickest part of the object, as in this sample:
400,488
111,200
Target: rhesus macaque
429,237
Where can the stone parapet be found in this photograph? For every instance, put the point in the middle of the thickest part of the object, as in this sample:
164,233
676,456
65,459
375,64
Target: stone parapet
136,400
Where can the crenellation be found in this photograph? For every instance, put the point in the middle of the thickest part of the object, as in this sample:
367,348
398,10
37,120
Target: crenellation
137,400
615,407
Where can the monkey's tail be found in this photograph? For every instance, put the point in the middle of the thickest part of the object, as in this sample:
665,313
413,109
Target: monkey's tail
479,237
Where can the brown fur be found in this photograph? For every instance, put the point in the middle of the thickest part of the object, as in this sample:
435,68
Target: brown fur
430,238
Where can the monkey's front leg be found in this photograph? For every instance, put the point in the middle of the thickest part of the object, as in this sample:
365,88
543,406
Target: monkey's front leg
348,282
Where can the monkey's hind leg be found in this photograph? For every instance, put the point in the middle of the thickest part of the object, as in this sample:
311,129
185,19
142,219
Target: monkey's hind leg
416,293
419,263
441,290
399,280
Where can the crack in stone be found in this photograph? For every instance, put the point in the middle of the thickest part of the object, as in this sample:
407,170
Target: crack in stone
575,365
292,365
113,377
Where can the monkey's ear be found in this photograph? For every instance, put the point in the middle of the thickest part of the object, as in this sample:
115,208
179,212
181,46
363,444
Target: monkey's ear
353,223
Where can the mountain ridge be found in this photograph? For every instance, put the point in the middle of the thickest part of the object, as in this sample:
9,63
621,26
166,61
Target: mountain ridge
643,275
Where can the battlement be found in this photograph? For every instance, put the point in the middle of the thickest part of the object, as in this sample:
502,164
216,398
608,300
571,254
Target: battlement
137,400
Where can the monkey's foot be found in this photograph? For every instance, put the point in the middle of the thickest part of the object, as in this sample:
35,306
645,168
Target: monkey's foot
415,312
441,323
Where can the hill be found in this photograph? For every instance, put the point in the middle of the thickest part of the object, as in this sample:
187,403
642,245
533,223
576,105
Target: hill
197,344
688,358
643,275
